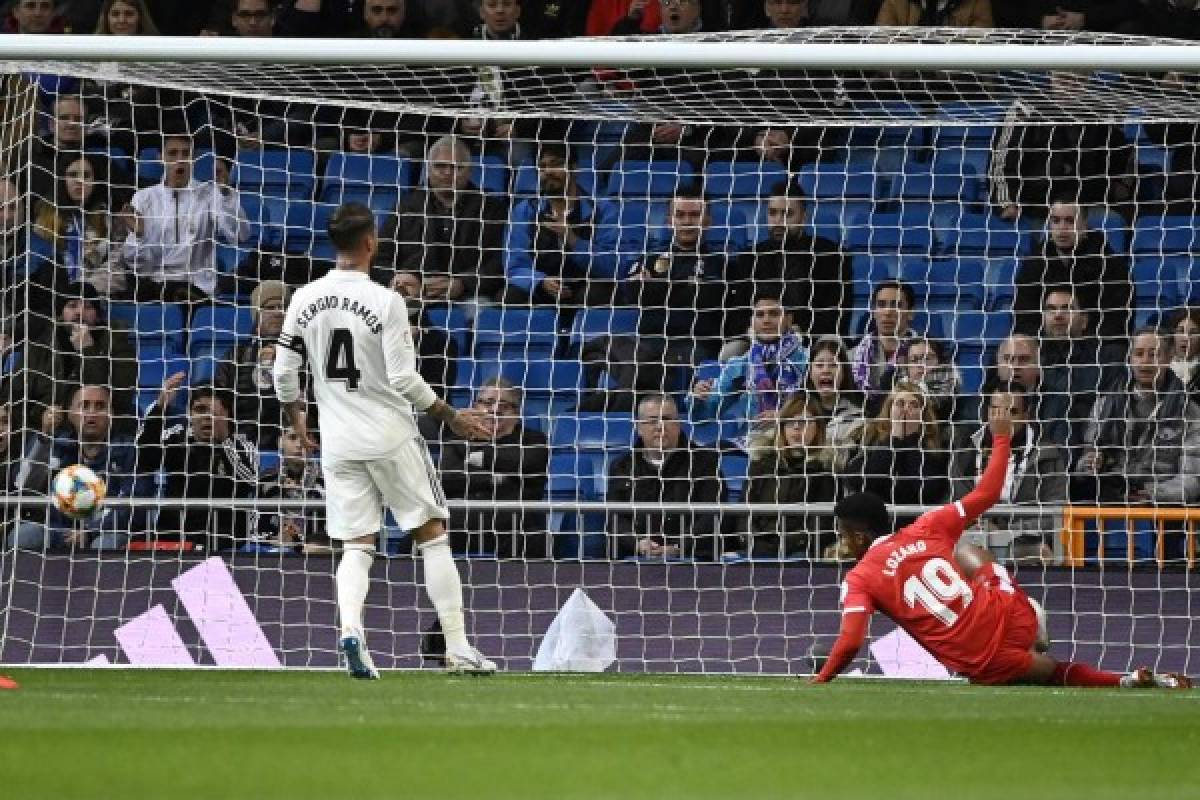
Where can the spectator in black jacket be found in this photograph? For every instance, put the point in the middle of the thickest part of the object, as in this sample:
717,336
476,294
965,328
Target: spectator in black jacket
83,349
202,457
904,458
1088,164
510,464
818,286
445,241
1076,363
664,467
1073,255
796,469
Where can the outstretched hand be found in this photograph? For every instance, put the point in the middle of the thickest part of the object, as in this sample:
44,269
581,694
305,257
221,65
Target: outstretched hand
1000,421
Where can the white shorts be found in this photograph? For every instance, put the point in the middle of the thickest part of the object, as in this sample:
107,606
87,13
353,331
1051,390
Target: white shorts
356,491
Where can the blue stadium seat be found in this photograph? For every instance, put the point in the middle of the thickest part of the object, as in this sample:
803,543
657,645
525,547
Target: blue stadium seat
220,325
729,232
979,328
731,180
268,460
1165,235
207,358
886,233
515,333
307,229
378,181
843,181
651,178
979,234
591,323
149,166
453,320
919,182
280,172
153,325
959,281
1113,226
153,371
490,174
735,470
599,432
266,230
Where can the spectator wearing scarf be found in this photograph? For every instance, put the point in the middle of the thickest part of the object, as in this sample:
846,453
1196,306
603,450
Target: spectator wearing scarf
885,345
751,388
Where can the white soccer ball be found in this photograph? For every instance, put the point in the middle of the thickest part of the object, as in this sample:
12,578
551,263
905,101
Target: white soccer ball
78,492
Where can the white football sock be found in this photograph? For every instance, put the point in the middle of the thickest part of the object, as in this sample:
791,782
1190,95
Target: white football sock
444,588
353,580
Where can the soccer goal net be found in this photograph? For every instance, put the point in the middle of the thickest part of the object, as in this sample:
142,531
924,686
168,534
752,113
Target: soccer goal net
698,289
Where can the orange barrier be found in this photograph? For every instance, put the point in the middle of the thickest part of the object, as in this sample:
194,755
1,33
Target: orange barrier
1076,517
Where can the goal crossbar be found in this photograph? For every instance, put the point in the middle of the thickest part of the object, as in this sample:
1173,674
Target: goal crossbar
683,52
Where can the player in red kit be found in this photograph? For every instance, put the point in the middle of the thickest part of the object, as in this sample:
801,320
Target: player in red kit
954,599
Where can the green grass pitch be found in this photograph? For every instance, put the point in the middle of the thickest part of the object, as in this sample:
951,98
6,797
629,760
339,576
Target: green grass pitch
229,735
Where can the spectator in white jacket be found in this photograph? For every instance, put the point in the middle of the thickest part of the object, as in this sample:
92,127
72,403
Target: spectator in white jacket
174,228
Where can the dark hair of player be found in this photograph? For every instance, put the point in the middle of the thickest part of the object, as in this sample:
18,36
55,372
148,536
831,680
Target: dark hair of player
349,224
865,512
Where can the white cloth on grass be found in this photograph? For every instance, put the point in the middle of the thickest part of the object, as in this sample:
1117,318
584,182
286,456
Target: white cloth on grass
580,639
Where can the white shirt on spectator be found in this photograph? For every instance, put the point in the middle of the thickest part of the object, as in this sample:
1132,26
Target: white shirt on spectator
180,230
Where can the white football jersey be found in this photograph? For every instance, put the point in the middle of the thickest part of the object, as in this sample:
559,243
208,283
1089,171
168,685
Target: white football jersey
356,337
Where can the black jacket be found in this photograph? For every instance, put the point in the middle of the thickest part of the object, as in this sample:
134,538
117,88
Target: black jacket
796,481
814,275
901,472
194,469
1101,278
465,242
510,468
690,474
54,368
1112,16
683,294
1030,163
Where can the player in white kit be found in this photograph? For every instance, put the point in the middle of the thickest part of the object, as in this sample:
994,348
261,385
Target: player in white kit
355,336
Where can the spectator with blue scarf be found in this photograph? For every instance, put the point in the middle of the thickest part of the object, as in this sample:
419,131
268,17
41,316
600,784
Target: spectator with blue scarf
762,380
85,438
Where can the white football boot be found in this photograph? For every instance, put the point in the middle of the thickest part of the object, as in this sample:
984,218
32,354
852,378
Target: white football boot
469,662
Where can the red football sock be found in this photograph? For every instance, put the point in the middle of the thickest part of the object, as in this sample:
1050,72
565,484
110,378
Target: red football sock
1069,673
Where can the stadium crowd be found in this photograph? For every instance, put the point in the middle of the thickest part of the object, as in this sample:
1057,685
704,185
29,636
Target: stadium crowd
745,360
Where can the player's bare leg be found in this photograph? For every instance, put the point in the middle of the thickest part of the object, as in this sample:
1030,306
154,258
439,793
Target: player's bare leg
444,588
353,580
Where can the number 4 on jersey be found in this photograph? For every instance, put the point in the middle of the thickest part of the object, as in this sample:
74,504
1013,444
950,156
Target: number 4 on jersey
339,365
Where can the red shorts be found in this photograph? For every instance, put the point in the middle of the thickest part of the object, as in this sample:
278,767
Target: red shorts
1014,655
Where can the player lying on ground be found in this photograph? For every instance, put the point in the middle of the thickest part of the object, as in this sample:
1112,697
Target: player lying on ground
954,599
363,370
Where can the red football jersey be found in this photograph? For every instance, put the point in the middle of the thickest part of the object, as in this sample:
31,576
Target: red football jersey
912,577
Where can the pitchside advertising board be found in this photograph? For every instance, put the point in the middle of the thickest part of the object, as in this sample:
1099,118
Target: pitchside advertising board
219,612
